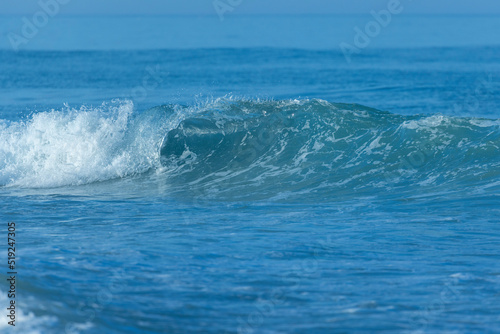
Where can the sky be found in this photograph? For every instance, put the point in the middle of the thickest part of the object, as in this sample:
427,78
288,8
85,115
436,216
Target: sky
206,7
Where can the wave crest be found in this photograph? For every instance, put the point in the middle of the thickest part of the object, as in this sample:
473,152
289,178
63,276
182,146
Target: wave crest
237,148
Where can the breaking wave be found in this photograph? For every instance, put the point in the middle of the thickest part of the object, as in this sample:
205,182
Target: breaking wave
240,147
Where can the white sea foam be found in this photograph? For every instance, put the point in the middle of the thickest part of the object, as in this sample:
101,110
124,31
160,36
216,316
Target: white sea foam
426,123
77,146
25,322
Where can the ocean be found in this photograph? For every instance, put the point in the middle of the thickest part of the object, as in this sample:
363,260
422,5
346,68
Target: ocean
245,175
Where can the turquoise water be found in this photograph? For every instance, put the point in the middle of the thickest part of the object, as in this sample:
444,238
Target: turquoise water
220,186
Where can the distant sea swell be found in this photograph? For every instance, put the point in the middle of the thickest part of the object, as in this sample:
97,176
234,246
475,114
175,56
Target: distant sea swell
251,148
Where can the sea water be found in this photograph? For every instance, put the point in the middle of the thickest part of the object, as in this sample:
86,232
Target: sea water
186,175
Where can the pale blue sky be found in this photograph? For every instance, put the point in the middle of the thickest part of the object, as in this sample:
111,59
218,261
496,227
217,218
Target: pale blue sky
204,7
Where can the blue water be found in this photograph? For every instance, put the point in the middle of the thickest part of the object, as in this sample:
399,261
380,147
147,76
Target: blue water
254,181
